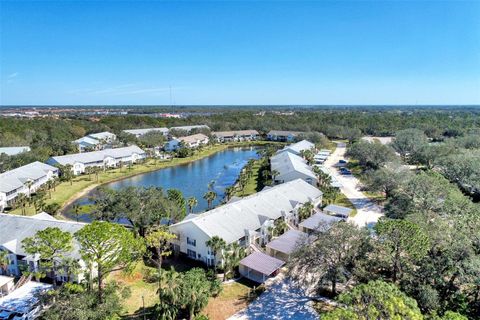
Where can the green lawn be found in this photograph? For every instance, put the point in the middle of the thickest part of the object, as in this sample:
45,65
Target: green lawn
255,182
343,201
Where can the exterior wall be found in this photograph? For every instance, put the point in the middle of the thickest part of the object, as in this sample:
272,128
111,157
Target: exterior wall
194,234
6,288
288,138
6,200
294,176
277,254
252,274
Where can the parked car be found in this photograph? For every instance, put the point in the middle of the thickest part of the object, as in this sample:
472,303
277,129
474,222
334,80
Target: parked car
342,161
345,171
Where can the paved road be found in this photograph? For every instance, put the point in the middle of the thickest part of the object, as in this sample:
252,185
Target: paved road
367,211
281,301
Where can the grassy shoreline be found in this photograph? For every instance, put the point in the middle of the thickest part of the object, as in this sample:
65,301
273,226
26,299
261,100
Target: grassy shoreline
66,193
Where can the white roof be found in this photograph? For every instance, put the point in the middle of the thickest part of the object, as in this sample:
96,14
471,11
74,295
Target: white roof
14,228
16,178
102,135
11,151
189,128
23,298
230,221
4,280
141,132
299,147
286,163
96,156
87,140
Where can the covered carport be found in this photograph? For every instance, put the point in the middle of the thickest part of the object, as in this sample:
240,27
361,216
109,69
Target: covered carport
283,246
259,267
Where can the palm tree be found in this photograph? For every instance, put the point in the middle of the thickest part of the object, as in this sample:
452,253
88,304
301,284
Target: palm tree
168,293
234,253
192,202
76,210
4,260
29,184
280,226
216,244
89,171
210,196
22,202
229,192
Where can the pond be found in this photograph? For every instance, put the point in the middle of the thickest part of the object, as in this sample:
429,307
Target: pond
222,169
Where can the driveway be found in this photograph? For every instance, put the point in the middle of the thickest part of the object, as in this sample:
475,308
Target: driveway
281,300
368,212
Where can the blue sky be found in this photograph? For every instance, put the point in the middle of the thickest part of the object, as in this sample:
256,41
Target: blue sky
225,52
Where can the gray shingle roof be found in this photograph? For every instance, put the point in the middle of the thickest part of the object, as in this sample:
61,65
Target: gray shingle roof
230,221
193,138
16,178
95,156
284,133
319,219
13,229
287,242
262,263
234,133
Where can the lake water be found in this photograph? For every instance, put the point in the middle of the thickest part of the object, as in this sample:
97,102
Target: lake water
222,168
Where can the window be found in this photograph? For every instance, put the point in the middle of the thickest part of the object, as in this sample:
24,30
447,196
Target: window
191,242
191,254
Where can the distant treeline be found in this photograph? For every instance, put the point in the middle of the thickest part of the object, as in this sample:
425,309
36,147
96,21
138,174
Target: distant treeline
50,136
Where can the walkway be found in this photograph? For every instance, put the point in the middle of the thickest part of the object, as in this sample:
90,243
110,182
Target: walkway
282,300
368,212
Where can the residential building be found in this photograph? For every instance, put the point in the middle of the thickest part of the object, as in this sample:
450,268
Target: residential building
239,135
299,147
338,211
190,128
283,246
140,132
318,222
13,151
290,167
193,141
284,136
95,141
105,137
108,158
259,266
14,229
24,180
246,221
